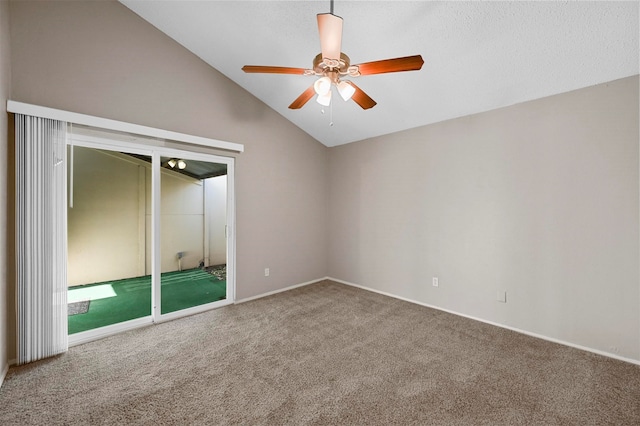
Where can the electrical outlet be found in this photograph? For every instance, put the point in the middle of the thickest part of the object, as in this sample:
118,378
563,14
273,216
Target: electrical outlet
266,272
434,282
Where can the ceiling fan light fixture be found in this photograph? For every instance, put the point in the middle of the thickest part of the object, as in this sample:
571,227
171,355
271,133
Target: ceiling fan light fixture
324,100
322,86
181,164
172,163
346,90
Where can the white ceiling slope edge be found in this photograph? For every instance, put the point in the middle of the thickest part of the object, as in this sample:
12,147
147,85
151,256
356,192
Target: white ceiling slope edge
478,56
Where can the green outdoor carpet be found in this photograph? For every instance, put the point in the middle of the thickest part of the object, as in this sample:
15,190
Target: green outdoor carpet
130,298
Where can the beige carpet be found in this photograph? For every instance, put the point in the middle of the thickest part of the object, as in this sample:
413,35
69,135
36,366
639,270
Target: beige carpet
323,354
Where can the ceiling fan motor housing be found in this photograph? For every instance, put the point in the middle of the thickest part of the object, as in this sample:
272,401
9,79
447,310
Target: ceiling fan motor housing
326,66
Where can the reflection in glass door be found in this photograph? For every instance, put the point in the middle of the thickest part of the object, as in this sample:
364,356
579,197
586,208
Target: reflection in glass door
193,243
109,200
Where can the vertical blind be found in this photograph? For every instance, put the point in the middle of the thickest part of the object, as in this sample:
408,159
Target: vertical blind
41,237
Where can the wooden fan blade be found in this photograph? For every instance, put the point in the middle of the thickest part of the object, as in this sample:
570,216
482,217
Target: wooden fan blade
272,70
330,30
408,63
303,98
362,98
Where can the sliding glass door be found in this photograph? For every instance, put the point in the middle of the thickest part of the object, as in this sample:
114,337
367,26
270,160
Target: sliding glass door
108,280
150,235
193,198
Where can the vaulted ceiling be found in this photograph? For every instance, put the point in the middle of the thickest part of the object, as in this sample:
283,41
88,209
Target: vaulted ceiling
478,56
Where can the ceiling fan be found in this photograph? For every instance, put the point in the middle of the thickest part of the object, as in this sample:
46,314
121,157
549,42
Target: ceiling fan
331,65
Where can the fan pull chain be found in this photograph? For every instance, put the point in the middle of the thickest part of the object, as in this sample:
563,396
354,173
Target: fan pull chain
331,113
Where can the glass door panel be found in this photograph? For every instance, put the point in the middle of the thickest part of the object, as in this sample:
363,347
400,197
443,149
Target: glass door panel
109,280
193,256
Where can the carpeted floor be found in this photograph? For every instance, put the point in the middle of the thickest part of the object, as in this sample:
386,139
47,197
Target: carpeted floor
323,354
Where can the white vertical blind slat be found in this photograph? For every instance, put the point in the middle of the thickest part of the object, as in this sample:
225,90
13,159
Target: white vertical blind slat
41,238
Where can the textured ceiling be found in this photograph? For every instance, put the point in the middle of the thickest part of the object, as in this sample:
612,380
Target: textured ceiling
478,55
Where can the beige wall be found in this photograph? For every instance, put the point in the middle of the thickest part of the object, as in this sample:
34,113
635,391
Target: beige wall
104,223
6,313
216,212
101,59
182,222
538,199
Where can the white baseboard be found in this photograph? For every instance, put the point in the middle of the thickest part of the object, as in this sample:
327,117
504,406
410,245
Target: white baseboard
517,330
280,290
4,374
